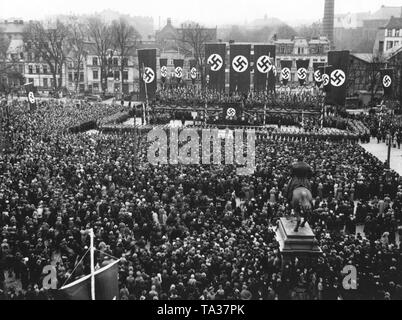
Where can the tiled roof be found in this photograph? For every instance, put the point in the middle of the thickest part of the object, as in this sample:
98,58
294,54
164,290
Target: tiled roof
394,23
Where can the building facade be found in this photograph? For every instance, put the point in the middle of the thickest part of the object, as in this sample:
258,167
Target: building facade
314,50
86,78
392,35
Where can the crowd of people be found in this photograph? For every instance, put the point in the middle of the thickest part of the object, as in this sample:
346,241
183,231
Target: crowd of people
284,99
384,125
189,232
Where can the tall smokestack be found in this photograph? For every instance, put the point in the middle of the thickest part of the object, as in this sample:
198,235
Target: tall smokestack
328,22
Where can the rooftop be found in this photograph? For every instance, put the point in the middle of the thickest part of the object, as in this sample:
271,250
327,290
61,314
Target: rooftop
386,12
394,23
366,57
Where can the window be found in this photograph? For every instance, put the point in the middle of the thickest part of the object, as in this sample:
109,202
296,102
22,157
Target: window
37,69
389,33
30,69
117,87
389,45
115,62
70,77
95,61
125,62
397,33
81,76
45,84
44,69
396,43
95,87
116,75
381,46
125,75
95,74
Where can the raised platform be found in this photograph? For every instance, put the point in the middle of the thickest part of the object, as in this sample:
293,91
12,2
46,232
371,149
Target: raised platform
290,242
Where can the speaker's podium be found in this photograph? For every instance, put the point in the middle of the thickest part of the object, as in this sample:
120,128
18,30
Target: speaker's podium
301,244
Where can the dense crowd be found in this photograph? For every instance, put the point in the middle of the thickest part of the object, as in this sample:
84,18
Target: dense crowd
189,232
285,99
384,126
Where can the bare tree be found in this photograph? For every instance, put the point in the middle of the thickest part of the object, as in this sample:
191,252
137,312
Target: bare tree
78,52
4,66
10,72
125,39
49,43
4,44
191,40
101,36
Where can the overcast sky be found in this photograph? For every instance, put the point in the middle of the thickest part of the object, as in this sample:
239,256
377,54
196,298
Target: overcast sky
209,12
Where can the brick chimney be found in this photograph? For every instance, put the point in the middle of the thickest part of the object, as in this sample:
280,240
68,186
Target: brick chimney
328,21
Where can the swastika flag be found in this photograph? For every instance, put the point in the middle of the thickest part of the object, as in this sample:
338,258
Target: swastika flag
147,67
286,67
264,59
387,81
302,71
339,60
215,56
239,78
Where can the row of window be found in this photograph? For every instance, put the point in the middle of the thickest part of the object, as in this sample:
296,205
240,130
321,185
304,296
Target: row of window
95,87
38,69
394,32
96,76
391,44
111,61
46,83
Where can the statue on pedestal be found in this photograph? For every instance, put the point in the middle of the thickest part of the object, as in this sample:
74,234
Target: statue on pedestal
299,191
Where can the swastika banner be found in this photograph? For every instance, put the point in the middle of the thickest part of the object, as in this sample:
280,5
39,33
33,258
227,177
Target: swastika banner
326,79
286,71
215,55
302,71
239,78
193,70
30,90
147,67
264,60
231,112
339,60
163,69
387,81
318,72
178,69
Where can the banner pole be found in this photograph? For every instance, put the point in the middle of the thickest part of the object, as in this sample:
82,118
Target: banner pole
146,94
92,251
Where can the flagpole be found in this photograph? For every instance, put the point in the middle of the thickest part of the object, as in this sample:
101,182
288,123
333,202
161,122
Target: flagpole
92,253
146,94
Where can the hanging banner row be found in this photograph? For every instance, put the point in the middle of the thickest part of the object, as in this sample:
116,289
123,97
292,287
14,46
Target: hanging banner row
333,77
